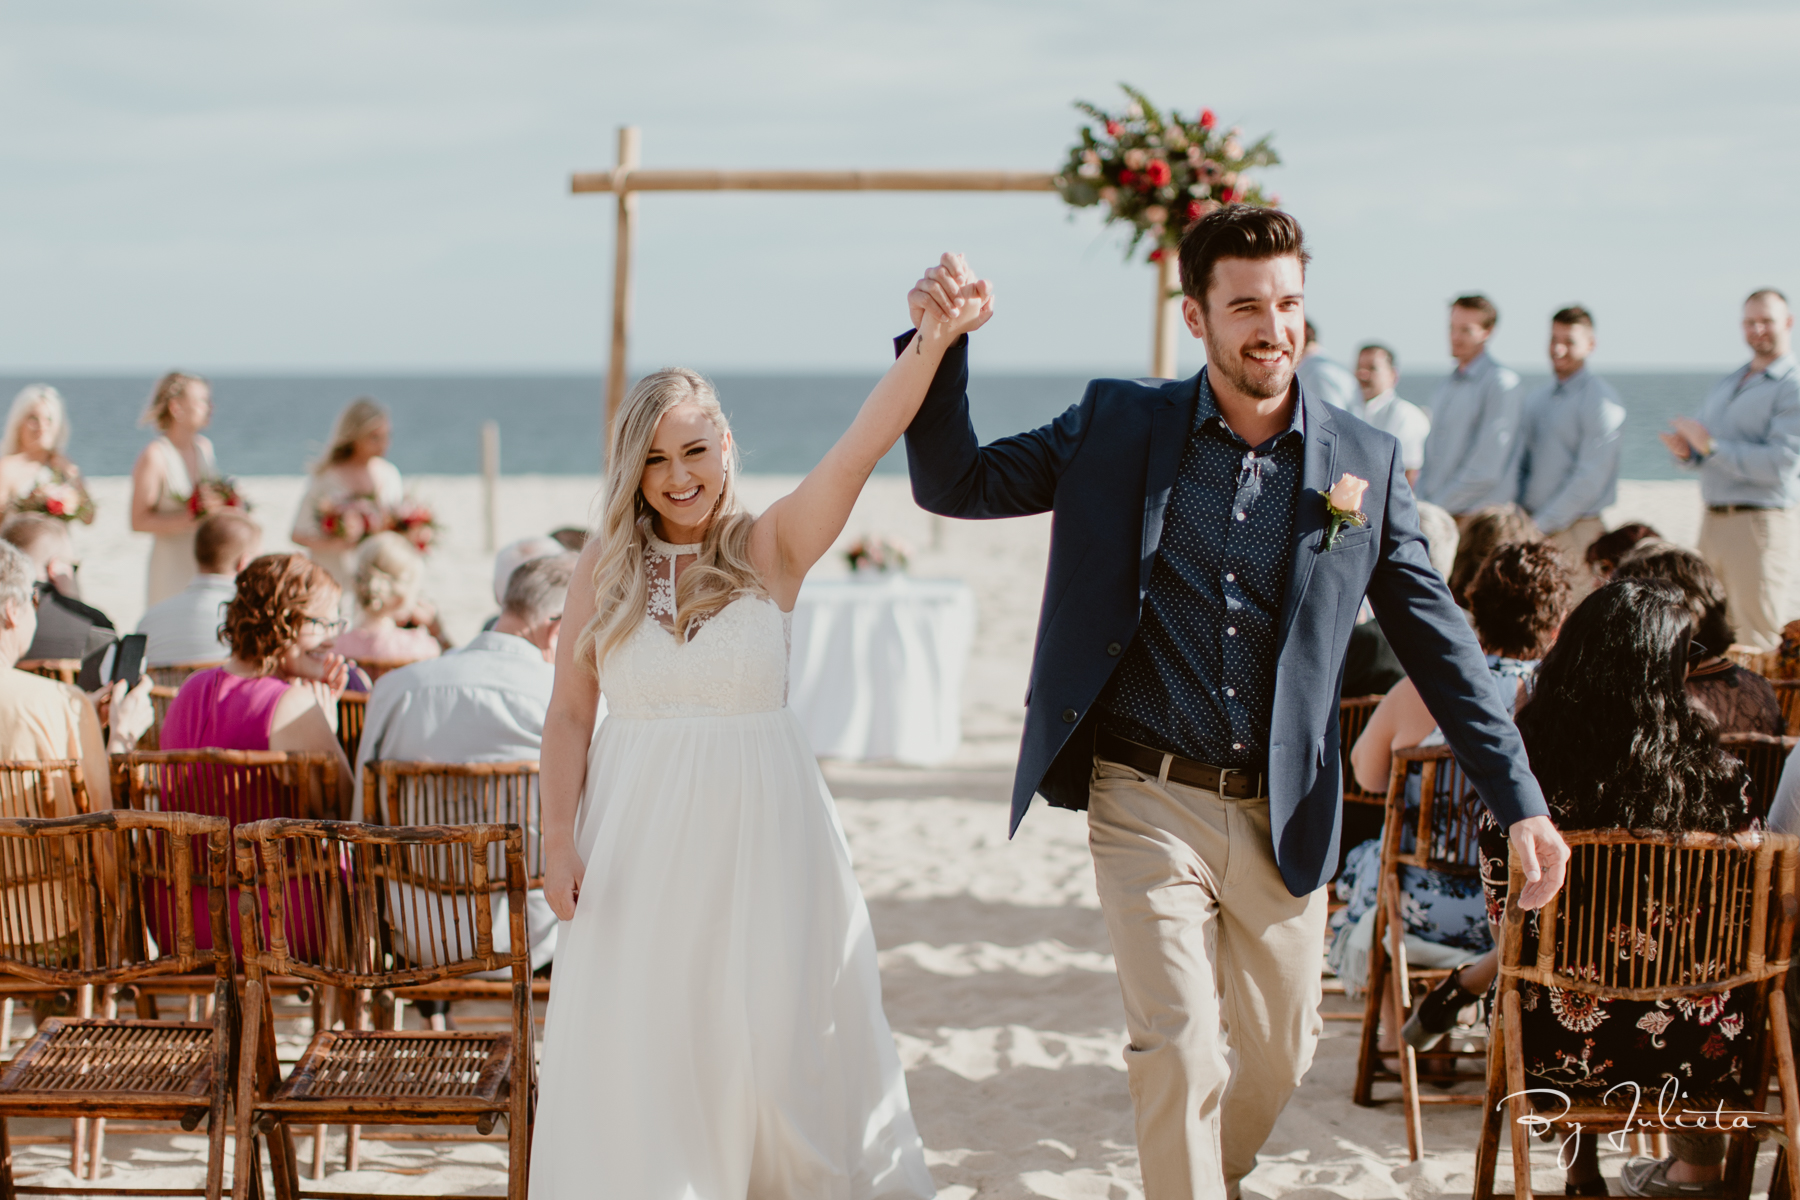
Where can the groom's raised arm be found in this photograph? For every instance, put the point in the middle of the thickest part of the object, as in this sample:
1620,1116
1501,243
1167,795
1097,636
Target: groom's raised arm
954,475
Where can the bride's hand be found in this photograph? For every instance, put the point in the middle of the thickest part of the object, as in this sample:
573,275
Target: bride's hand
563,871
950,301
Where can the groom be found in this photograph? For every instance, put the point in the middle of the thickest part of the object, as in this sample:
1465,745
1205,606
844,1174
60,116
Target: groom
1201,592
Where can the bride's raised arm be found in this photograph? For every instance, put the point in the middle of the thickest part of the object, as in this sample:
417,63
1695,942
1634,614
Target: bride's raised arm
795,532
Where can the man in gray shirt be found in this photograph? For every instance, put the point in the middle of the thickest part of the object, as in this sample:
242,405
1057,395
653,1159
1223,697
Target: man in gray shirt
1570,440
1472,455
1746,443
1326,378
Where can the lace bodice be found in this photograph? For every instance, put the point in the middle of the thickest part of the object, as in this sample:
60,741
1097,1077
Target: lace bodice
734,662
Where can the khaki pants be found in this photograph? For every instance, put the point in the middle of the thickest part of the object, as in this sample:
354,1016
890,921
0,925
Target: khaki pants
1572,544
1219,967
1751,553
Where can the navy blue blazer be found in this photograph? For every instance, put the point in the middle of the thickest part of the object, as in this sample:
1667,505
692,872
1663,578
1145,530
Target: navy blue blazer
1105,469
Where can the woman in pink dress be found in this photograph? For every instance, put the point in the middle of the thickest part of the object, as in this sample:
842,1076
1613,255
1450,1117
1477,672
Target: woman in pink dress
389,575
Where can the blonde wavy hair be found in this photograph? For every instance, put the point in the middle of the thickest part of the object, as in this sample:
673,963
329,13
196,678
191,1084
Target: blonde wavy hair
359,416
721,573
31,397
388,569
167,388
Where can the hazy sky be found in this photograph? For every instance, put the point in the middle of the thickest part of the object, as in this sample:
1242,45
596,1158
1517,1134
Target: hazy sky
231,186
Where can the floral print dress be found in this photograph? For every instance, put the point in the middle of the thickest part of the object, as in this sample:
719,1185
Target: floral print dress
1577,1042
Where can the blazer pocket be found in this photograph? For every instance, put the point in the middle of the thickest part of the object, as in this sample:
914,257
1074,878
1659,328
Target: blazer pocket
1350,539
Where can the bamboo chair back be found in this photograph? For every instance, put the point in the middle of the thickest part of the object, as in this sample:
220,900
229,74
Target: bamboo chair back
1788,692
53,787
1353,718
345,871
1763,662
425,793
1443,834
353,708
173,675
63,670
76,893
1763,757
160,699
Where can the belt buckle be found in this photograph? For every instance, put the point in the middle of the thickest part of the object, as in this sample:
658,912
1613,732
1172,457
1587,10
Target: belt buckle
1224,774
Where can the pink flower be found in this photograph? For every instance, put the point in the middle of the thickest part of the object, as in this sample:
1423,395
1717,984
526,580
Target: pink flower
1207,120
1346,495
1157,172
1113,129
1156,255
1135,158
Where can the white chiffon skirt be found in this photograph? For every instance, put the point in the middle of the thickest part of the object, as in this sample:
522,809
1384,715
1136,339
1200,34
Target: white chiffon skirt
715,1028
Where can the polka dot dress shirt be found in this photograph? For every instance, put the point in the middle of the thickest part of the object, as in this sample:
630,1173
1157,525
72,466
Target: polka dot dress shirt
1199,678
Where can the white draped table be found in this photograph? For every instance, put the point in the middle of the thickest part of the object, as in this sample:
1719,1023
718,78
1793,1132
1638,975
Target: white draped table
877,666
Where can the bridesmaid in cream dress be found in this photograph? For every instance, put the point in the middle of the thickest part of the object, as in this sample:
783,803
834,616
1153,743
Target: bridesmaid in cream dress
165,475
353,467
716,1030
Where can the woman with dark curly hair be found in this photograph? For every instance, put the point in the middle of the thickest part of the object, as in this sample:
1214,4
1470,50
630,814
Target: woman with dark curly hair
1617,743
279,689
1740,700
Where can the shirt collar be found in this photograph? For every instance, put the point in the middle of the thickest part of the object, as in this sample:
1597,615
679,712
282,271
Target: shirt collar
204,582
1575,380
1208,408
1379,402
1476,366
492,641
1781,368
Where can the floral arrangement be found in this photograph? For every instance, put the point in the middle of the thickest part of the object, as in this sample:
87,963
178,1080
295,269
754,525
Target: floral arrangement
877,555
1159,173
62,496
414,519
351,518
215,494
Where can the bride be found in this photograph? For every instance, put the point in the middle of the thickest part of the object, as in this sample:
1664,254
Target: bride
716,1030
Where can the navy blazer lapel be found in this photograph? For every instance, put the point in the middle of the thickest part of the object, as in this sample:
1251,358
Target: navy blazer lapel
1316,476
1169,426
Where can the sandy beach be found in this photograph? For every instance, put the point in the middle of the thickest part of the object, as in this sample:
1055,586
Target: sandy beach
997,973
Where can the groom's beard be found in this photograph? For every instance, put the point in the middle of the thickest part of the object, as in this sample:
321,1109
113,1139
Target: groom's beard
1255,379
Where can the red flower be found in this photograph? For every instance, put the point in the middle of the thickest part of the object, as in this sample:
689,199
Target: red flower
1157,172
1207,120
1156,255
1113,129
1128,178
1193,210
1228,196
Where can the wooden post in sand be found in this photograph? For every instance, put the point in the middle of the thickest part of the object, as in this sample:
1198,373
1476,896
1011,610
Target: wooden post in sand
625,180
490,482
1165,315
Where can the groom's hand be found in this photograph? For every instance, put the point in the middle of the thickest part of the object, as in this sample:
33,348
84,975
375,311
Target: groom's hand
1543,854
940,289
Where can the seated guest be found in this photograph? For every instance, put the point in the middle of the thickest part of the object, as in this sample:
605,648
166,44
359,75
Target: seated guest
1486,529
1605,551
1519,599
1370,666
185,628
280,687
389,573
514,555
44,719
483,703
1616,744
1740,700
66,628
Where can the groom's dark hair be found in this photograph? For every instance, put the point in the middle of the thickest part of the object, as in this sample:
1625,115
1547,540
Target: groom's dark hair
1236,231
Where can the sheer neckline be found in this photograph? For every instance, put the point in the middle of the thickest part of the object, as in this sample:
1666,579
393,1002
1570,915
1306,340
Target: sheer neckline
669,549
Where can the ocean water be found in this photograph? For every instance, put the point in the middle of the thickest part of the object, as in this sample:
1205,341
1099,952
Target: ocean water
550,424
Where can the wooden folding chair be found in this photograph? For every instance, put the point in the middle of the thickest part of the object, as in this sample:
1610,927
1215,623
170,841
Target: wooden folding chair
366,907
1763,757
353,707
1353,718
75,895
1736,897
63,670
160,699
173,675
426,793
1442,837
1763,662
1788,692
36,789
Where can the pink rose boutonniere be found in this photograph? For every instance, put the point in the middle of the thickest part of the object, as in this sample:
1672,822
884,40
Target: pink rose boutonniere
1343,506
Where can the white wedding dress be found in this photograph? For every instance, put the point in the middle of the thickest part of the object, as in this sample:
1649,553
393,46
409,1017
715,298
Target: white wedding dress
715,1029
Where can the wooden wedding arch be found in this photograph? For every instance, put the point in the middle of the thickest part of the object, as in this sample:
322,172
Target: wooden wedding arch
627,179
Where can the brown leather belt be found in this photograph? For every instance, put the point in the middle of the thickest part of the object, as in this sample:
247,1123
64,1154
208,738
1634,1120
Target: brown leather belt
1738,508
1231,783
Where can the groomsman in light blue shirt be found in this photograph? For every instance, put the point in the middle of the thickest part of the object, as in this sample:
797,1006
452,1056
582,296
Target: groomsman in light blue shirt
1326,378
1472,455
1570,440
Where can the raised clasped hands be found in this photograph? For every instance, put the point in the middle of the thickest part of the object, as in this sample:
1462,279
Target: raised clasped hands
949,300
1687,437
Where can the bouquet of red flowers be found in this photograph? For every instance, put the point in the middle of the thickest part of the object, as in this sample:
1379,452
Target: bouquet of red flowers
62,496
1158,172
215,494
353,518
876,555
414,519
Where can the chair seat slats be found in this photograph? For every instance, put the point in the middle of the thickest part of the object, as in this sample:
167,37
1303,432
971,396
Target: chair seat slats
400,1065
124,1058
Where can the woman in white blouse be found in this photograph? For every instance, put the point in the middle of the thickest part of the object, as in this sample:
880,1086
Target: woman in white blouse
351,477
